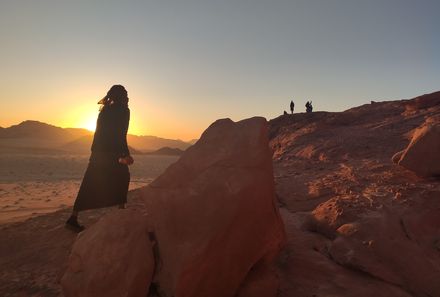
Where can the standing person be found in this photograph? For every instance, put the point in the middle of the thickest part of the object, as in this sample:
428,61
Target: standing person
106,179
292,106
309,107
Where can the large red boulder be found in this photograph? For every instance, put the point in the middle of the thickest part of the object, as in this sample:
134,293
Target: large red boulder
214,213
112,258
422,154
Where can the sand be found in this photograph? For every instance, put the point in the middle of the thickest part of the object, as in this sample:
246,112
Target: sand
35,184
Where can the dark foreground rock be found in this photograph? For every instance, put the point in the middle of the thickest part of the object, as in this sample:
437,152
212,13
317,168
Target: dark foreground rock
112,258
213,216
214,213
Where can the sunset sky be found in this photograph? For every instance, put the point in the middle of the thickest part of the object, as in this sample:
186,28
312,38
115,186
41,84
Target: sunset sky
187,63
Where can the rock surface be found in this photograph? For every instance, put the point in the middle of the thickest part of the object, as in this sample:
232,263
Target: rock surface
396,247
214,218
357,224
422,154
214,213
112,258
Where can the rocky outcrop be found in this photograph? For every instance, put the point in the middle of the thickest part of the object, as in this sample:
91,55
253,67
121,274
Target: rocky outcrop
423,102
213,216
332,214
422,154
214,213
397,248
396,244
112,258
357,224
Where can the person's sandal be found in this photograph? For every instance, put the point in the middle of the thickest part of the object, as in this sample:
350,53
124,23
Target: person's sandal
72,224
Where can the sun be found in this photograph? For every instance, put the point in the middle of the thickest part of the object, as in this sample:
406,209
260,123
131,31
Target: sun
82,116
90,124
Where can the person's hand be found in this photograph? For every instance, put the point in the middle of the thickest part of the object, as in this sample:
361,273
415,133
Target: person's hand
128,160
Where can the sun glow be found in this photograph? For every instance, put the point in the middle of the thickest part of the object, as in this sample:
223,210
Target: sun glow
84,114
81,116
86,118
90,124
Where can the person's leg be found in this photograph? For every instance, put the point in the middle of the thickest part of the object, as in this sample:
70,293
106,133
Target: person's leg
72,222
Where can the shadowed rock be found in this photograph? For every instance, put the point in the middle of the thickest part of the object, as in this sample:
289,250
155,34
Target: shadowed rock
215,220
214,212
112,258
396,248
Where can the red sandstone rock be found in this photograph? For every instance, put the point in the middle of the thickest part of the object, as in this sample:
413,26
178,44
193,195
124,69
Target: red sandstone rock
332,214
306,269
112,258
397,248
215,221
261,281
336,169
422,155
214,212
423,102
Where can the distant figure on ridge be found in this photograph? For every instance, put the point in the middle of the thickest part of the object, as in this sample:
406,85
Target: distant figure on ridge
106,179
309,107
292,106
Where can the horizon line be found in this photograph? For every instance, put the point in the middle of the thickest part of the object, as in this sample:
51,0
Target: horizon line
91,131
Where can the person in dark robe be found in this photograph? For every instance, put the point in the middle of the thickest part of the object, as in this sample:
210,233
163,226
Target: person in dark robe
292,106
106,179
309,107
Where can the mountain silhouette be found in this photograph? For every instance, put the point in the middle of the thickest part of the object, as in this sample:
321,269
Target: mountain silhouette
38,136
167,151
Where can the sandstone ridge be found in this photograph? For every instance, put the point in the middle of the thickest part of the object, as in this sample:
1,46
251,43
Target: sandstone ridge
357,223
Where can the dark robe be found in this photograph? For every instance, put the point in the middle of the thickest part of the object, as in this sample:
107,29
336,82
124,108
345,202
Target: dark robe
105,182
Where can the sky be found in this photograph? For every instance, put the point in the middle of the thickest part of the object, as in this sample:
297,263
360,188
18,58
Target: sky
186,63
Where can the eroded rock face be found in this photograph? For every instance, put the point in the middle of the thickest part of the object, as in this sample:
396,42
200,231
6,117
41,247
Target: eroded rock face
112,258
422,154
357,248
215,221
399,249
424,102
398,246
327,217
214,213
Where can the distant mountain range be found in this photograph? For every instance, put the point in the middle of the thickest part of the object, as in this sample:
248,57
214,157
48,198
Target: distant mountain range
42,137
168,151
